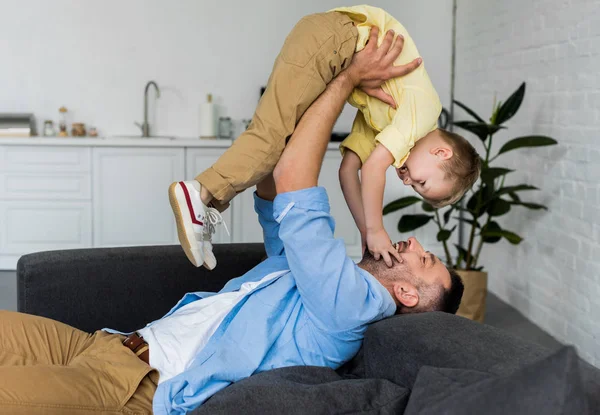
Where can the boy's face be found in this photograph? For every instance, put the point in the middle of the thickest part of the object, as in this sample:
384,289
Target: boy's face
423,168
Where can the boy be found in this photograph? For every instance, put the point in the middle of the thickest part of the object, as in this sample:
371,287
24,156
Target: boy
319,47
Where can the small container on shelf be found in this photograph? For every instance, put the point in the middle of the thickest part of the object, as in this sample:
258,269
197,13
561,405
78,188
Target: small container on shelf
78,129
225,127
93,132
49,128
62,122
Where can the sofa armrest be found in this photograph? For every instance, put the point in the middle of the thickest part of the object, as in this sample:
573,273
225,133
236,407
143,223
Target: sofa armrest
121,288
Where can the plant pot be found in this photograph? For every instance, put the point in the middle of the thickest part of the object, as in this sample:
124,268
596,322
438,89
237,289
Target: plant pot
472,305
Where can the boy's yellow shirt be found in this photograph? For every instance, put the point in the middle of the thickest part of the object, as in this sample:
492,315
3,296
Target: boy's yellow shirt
418,104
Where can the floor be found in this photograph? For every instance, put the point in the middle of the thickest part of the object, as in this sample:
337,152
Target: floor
499,314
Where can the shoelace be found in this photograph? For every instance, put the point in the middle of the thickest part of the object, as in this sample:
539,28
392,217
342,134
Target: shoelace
213,218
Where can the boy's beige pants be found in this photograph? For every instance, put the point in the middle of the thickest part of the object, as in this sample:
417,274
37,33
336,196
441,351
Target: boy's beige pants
317,49
47,367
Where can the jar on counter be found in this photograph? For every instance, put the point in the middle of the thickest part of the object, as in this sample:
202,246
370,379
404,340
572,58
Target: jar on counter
49,128
78,130
225,127
93,132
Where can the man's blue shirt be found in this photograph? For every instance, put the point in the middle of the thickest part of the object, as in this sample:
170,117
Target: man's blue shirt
314,313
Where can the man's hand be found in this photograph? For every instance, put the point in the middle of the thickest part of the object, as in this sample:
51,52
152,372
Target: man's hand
373,65
380,245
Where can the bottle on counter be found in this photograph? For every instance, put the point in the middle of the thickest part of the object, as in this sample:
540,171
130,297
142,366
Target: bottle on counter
62,122
207,118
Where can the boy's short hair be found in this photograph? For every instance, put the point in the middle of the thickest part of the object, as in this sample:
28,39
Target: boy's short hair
463,167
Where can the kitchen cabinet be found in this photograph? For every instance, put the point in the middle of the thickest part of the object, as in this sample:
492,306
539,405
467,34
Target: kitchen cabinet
64,193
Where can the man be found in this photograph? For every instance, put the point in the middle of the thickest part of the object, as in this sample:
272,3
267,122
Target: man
306,304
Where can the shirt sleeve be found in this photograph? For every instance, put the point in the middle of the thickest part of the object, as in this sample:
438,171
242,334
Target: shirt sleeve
415,117
270,227
361,139
337,295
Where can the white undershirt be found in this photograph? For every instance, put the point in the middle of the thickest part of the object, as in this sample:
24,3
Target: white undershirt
175,340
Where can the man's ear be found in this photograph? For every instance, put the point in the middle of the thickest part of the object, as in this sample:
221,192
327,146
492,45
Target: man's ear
406,294
443,153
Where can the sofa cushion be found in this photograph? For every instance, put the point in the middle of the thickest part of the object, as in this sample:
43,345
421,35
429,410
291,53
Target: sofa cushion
398,347
551,386
306,390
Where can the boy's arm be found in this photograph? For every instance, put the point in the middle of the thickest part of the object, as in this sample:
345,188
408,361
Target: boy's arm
372,186
350,184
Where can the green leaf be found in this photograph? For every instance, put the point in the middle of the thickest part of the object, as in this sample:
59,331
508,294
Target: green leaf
527,141
513,189
400,204
447,215
469,111
528,205
427,207
480,129
469,221
492,226
409,223
486,196
443,235
514,196
462,253
489,174
511,106
498,207
511,237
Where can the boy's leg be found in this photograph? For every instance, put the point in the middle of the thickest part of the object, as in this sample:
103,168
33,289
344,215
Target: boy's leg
47,367
316,50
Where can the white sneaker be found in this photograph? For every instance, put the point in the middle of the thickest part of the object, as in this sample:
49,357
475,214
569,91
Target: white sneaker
190,216
213,219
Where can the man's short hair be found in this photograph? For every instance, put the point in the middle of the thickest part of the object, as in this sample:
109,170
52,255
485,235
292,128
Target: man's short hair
450,299
436,298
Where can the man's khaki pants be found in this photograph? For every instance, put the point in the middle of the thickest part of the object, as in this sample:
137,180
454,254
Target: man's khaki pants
317,49
47,367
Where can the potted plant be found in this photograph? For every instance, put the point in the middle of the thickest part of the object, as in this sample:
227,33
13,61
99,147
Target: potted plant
489,199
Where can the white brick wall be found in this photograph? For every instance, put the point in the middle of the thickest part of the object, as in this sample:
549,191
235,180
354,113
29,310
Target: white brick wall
553,277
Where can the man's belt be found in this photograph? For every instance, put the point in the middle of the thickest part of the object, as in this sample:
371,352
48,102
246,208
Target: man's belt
138,345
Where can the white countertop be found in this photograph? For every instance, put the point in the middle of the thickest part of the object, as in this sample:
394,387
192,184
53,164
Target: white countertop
122,142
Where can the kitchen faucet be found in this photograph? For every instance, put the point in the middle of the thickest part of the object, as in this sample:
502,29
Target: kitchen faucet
145,127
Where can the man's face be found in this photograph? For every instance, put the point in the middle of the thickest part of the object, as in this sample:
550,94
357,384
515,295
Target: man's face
426,268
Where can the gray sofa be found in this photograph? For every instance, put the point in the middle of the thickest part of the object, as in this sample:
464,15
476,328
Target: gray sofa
421,364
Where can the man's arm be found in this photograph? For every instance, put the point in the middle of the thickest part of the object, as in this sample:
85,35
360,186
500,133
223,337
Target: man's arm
263,205
337,295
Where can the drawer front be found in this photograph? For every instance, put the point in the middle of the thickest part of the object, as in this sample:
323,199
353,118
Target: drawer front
48,186
31,226
44,159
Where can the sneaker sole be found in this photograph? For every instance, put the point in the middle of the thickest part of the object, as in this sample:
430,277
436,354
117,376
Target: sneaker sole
182,234
210,262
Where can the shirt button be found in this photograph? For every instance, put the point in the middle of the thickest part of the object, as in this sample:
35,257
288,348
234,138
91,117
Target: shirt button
335,52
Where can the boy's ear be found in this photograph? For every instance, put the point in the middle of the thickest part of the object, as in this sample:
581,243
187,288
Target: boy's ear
443,153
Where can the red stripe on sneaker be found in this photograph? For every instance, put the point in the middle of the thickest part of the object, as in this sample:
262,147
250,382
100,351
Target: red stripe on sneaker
189,203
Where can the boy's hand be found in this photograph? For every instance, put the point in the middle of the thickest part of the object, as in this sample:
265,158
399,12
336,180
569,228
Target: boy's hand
380,245
373,65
